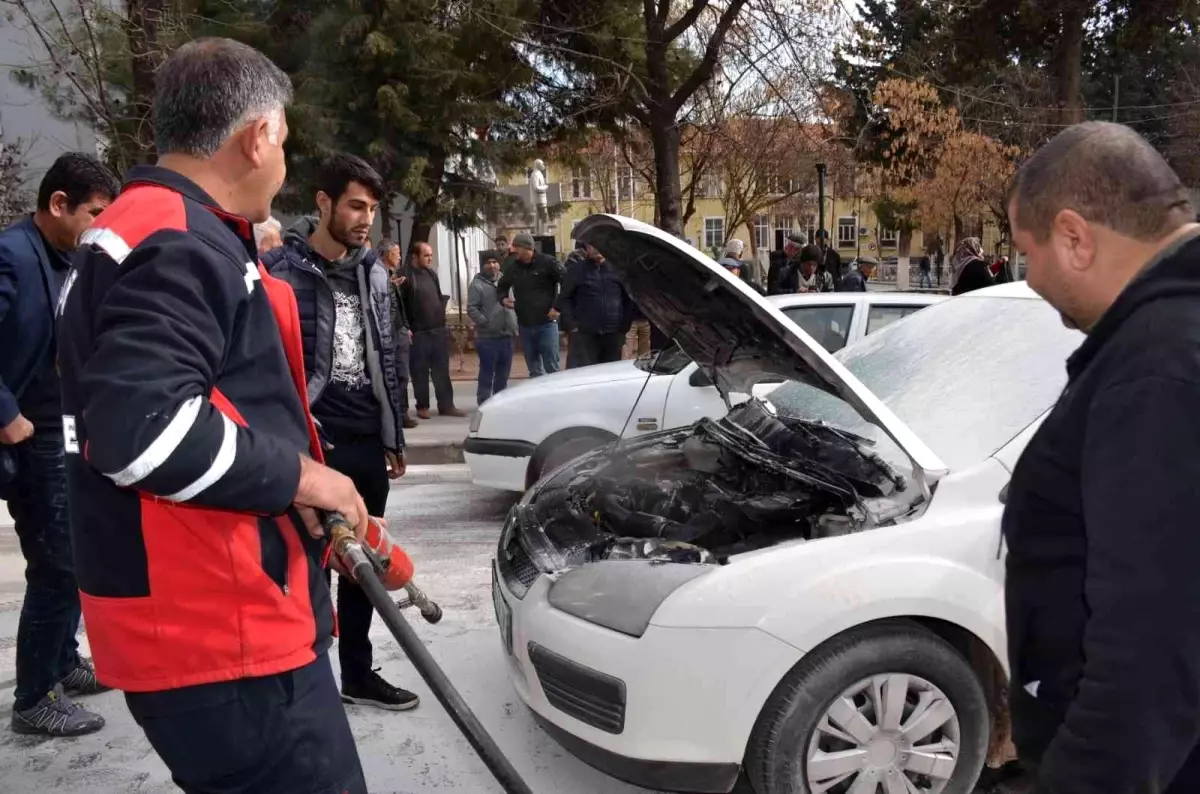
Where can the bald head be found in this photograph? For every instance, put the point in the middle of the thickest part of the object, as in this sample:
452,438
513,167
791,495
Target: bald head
1090,211
1109,175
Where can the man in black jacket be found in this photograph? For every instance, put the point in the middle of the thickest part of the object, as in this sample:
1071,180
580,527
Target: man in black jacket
534,280
389,255
345,306
1103,596
425,307
600,310
34,262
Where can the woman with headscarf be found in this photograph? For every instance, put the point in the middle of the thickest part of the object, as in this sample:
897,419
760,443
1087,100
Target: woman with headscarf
969,268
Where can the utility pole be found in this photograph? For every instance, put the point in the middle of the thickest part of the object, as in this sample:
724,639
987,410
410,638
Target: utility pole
1116,95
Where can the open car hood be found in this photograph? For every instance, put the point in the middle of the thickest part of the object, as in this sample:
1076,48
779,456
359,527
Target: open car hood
731,332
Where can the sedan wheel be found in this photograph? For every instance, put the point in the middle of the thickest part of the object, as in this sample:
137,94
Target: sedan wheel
887,708
896,731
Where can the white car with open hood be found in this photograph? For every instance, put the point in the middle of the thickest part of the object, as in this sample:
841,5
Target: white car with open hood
541,424
809,588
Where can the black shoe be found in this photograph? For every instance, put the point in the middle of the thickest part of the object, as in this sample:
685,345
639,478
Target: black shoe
374,691
408,422
82,680
56,715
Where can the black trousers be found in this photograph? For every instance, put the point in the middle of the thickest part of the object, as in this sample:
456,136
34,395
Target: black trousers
403,348
278,734
362,460
430,358
596,348
37,499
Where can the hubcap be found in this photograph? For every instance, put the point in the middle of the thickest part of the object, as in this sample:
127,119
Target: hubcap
893,733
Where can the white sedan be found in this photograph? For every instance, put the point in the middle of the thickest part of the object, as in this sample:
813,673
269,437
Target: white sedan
539,425
810,588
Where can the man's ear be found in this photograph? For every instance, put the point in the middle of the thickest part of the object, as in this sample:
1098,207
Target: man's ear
324,204
1074,239
60,205
252,141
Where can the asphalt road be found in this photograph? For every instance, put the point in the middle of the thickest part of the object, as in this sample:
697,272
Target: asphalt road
450,529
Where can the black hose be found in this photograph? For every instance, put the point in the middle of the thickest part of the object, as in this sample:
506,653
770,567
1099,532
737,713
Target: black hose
506,775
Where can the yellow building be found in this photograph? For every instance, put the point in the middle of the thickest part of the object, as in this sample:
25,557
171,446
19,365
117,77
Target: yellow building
854,230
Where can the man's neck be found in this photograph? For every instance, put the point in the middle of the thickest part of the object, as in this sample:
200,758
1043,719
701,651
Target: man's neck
207,177
45,224
323,243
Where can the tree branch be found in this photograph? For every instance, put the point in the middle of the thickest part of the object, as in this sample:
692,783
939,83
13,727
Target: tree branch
685,22
704,71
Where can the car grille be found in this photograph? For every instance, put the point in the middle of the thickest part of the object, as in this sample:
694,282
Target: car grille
585,694
515,565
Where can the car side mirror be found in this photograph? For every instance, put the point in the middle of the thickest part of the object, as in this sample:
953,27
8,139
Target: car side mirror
700,378
1004,493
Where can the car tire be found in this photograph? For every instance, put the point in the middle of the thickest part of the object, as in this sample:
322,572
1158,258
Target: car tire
796,722
567,451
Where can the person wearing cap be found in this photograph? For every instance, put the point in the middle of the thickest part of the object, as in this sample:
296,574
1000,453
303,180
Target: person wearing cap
495,327
782,273
534,280
732,261
828,260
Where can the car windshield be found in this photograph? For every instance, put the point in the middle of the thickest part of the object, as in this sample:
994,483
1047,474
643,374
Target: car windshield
966,376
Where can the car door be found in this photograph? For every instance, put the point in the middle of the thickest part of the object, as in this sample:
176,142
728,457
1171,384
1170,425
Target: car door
691,396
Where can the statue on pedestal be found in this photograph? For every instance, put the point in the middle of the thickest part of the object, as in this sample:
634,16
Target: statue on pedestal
538,188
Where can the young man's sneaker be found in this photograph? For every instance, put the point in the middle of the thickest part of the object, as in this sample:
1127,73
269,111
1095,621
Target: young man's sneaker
82,680
374,691
56,715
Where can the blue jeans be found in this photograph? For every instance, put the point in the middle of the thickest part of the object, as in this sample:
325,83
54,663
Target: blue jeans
37,499
540,345
495,364
926,281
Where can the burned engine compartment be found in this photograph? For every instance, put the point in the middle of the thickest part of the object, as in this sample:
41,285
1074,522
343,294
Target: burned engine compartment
702,495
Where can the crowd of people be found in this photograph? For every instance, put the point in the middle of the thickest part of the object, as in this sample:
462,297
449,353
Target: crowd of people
185,387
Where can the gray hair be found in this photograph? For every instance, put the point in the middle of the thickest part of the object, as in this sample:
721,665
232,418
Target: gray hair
270,224
208,89
735,247
386,245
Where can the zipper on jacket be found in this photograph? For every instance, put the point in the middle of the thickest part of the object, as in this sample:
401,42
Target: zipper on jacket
274,552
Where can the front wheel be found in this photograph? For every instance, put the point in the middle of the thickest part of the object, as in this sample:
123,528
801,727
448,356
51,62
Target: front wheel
568,450
885,709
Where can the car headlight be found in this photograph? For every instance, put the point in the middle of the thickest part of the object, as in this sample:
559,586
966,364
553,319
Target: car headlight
621,595
476,420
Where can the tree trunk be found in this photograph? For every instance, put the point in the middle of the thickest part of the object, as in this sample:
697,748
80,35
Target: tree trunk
1070,62
143,19
665,137
425,213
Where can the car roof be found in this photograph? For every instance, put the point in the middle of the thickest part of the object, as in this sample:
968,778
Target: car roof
890,298
1013,289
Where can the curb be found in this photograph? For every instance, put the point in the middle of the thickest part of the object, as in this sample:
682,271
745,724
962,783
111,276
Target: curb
434,453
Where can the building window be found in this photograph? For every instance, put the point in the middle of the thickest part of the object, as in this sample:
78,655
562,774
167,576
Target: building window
714,233
784,223
581,183
710,186
847,231
626,184
888,238
762,233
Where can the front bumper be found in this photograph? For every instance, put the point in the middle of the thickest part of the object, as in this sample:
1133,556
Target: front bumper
690,696
498,463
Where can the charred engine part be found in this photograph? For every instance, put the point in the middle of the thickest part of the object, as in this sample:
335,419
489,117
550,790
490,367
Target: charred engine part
658,550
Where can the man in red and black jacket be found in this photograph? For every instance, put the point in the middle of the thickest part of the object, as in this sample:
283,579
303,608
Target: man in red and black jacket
191,454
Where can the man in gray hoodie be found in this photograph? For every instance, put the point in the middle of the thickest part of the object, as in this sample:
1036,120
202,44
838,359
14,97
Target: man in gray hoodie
495,329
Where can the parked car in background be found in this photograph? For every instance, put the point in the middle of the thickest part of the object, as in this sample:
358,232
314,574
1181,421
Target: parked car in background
808,589
536,427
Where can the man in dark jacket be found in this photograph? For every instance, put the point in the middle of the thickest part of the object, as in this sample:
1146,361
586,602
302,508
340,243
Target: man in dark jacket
575,259
192,459
601,312
1102,594
495,329
425,307
345,306
33,266
389,255
534,280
